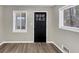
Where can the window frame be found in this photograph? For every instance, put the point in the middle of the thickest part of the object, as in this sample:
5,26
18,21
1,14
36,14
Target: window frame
14,21
61,19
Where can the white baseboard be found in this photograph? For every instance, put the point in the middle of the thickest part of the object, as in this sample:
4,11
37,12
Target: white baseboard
18,42
1,43
58,47
49,41
31,42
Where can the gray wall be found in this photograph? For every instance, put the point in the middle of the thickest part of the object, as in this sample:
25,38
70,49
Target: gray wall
68,38
29,35
1,25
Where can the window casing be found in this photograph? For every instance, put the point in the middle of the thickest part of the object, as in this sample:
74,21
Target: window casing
19,21
69,18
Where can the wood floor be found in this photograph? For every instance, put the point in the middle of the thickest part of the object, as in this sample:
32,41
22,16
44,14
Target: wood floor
28,48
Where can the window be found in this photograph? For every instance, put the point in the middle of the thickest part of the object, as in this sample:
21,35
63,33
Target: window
19,21
69,18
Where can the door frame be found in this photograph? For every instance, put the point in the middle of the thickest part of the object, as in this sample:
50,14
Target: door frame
46,24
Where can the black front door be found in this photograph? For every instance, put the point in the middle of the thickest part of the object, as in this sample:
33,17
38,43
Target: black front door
40,27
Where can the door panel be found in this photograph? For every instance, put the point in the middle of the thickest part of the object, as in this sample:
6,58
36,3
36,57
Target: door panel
40,27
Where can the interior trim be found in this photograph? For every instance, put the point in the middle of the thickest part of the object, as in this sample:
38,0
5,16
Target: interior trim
57,47
17,42
62,51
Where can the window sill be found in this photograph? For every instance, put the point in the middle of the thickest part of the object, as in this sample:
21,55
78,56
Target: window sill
74,29
22,31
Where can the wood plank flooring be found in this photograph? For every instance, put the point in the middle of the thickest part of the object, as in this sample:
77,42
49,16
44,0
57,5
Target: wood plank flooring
28,48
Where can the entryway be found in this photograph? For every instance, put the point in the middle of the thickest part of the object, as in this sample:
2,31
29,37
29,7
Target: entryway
40,26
